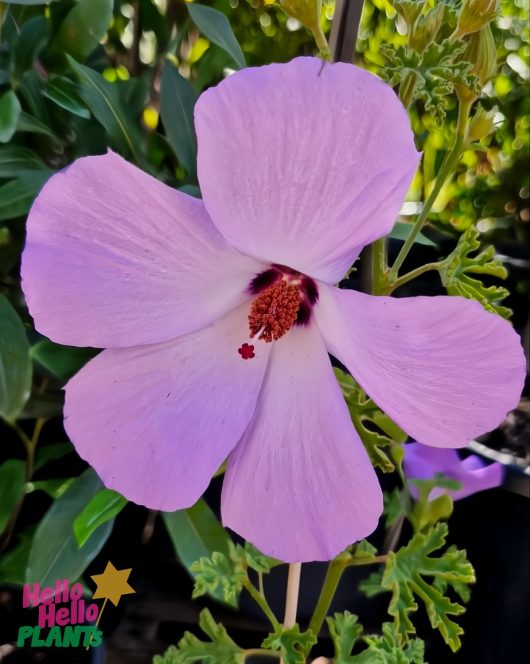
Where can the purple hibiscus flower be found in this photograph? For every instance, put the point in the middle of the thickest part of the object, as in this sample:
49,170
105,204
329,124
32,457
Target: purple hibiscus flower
218,315
472,473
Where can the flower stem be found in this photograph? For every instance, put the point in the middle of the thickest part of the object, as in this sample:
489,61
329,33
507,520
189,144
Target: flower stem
410,276
261,652
291,600
329,588
321,42
450,161
379,266
261,601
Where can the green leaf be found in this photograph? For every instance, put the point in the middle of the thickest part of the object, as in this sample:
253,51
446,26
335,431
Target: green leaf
13,563
54,552
15,363
103,100
177,101
390,651
223,575
53,487
12,478
64,93
32,38
215,26
62,361
103,507
427,512
371,586
377,431
459,265
293,644
258,561
196,533
9,115
83,27
405,574
48,453
394,506
33,125
401,231
17,196
345,632
220,575
435,72
219,649
16,161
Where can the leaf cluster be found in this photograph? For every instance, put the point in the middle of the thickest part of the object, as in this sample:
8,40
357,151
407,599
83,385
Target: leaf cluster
432,74
381,437
407,574
458,272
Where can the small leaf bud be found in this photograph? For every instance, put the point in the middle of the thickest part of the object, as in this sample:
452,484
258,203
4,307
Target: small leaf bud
426,27
481,124
474,15
409,10
481,51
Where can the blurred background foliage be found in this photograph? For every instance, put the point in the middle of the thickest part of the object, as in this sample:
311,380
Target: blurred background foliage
79,76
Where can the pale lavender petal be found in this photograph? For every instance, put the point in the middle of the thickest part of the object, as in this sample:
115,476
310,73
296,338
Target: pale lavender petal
474,475
304,163
300,485
115,258
444,369
157,421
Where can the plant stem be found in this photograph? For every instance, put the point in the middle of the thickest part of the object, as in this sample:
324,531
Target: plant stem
291,599
388,288
329,588
261,602
379,265
450,161
321,42
376,560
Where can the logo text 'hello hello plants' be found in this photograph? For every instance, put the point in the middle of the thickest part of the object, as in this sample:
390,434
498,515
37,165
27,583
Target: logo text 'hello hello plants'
63,612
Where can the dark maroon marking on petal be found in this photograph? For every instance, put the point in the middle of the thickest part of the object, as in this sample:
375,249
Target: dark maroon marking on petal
263,280
310,289
304,313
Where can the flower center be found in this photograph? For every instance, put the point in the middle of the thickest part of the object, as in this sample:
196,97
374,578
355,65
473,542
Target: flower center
284,298
274,311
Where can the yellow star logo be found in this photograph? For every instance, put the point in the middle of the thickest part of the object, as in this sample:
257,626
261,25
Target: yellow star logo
112,584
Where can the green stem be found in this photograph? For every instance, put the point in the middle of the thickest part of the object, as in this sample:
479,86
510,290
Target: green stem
376,560
321,42
329,588
30,444
379,265
261,652
261,602
447,167
410,276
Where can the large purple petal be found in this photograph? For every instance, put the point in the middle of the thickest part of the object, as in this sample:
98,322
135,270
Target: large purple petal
300,485
444,369
157,421
474,475
115,258
304,163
